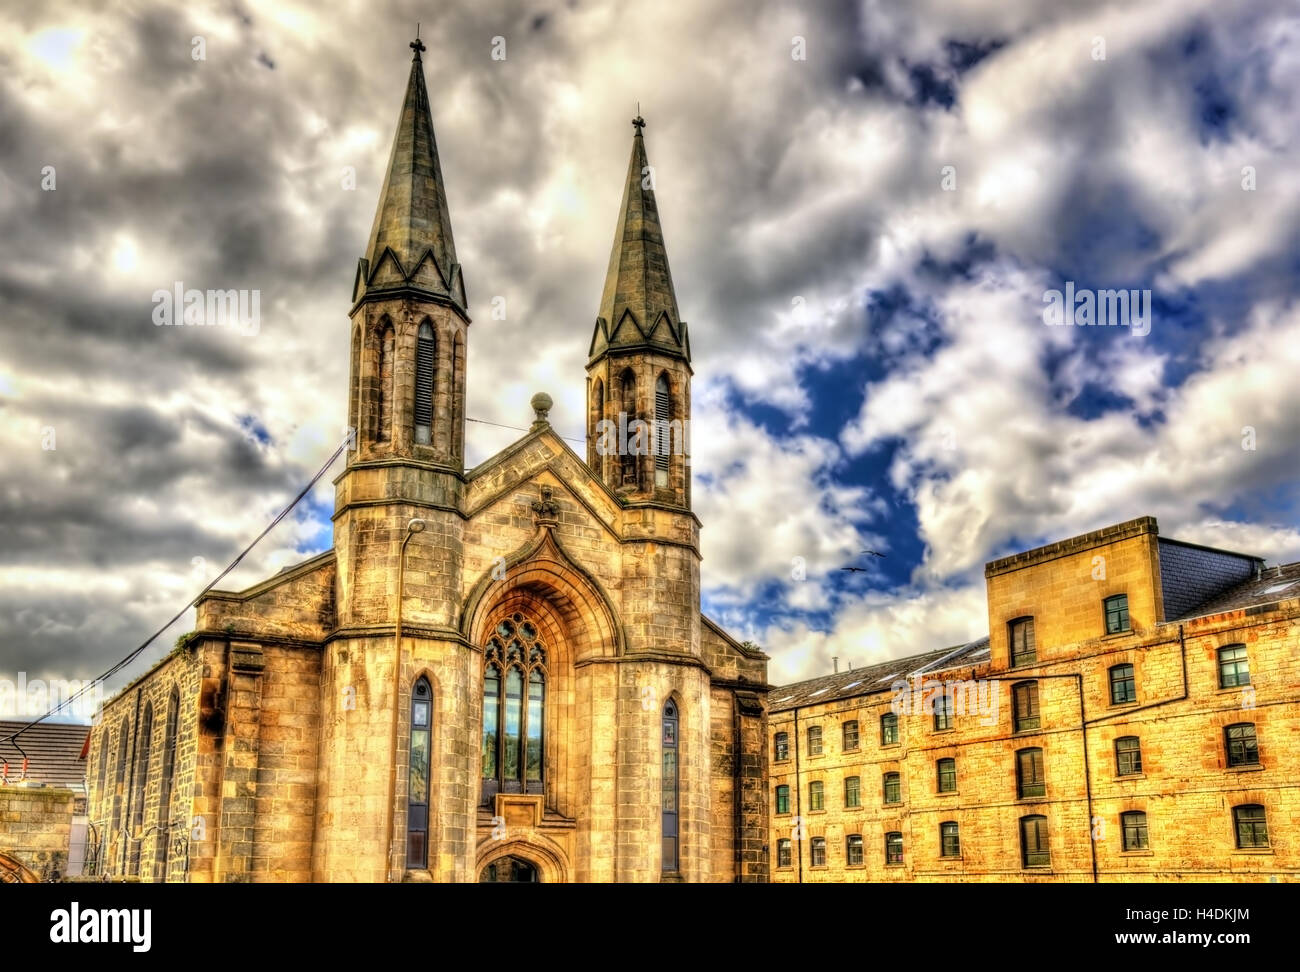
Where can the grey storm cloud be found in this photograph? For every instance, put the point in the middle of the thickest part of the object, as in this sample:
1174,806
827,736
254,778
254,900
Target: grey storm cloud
775,178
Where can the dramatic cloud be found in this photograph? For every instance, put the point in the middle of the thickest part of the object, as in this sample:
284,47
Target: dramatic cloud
864,205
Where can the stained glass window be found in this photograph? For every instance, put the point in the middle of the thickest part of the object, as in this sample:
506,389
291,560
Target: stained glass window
514,709
418,762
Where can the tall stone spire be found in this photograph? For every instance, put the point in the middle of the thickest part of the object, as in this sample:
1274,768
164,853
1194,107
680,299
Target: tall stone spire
638,307
411,246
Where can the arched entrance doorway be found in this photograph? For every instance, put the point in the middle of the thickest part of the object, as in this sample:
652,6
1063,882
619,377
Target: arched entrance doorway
510,870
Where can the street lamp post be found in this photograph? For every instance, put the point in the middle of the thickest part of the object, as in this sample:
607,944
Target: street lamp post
415,526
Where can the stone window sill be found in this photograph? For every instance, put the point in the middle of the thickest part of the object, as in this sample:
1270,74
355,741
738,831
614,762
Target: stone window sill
1246,768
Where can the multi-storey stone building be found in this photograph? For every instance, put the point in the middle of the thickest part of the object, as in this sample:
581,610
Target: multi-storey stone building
499,673
1133,715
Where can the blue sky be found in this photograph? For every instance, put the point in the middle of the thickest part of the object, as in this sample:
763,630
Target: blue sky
861,239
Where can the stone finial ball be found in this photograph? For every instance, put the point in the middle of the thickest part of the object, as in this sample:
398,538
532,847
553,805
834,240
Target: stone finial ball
542,403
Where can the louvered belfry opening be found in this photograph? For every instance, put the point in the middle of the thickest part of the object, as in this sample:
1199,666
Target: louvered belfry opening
662,436
425,354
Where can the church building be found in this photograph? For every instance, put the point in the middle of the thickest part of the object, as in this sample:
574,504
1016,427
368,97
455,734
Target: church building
494,674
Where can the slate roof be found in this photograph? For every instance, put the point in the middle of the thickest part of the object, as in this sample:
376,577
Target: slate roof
875,678
1274,585
55,750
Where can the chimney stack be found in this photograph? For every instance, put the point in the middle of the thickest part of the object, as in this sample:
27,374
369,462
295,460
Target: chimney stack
836,662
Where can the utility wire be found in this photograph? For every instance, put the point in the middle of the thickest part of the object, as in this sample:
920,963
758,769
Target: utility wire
13,738
135,653
516,428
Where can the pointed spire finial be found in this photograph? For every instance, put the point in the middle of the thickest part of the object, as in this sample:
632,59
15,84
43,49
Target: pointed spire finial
417,45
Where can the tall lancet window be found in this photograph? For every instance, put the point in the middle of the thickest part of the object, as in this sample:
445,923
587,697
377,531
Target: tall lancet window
384,396
663,428
417,800
627,454
456,395
425,349
165,781
514,709
669,784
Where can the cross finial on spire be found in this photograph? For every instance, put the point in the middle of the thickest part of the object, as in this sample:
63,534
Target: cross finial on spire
417,45
638,122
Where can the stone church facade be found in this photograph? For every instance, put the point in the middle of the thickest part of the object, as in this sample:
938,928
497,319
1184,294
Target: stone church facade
499,673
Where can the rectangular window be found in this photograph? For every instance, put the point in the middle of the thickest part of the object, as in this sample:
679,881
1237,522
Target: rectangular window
1116,614
819,852
943,711
783,855
893,848
782,746
783,799
1034,850
893,788
1030,780
888,729
1128,756
1123,686
1023,649
1024,711
1134,826
949,841
1251,826
850,735
815,795
1243,747
814,740
853,850
852,792
1234,670
947,775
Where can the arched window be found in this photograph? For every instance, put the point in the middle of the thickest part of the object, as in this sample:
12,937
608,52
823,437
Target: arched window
425,358
119,781
513,870
1251,824
417,798
104,745
456,395
782,745
946,770
1128,755
1024,706
596,452
893,787
888,729
1034,849
384,394
354,364
669,784
627,455
142,768
1031,778
165,780
1123,685
513,733
1024,651
663,428
1241,744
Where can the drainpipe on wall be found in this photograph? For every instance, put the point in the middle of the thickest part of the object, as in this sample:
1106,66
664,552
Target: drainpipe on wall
797,806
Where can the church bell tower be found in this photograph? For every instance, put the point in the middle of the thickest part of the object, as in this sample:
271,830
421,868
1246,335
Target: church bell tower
409,315
639,361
